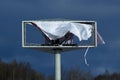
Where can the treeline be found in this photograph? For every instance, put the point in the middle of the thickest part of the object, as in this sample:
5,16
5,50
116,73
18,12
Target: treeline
18,71
78,74
108,76
23,71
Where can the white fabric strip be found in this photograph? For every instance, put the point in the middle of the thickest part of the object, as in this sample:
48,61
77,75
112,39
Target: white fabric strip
85,54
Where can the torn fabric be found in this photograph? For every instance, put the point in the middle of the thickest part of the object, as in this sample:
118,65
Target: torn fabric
100,39
85,54
55,30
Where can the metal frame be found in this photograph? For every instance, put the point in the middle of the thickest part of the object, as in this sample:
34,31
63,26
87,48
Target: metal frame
36,46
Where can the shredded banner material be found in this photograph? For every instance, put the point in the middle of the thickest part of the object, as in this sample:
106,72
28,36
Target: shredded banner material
55,30
85,54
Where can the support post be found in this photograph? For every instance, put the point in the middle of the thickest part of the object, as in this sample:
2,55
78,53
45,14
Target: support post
57,65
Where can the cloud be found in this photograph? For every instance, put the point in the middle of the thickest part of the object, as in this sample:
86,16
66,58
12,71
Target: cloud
93,10
61,7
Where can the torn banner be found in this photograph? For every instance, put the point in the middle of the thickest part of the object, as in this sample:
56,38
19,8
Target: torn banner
55,30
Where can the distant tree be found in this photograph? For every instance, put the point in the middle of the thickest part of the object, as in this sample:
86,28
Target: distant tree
76,74
108,76
21,71
51,77
115,76
0,60
107,73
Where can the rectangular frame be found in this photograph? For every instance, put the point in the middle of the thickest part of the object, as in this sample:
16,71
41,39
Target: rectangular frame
27,45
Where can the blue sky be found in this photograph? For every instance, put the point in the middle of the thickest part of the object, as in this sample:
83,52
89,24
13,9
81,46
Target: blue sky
106,13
